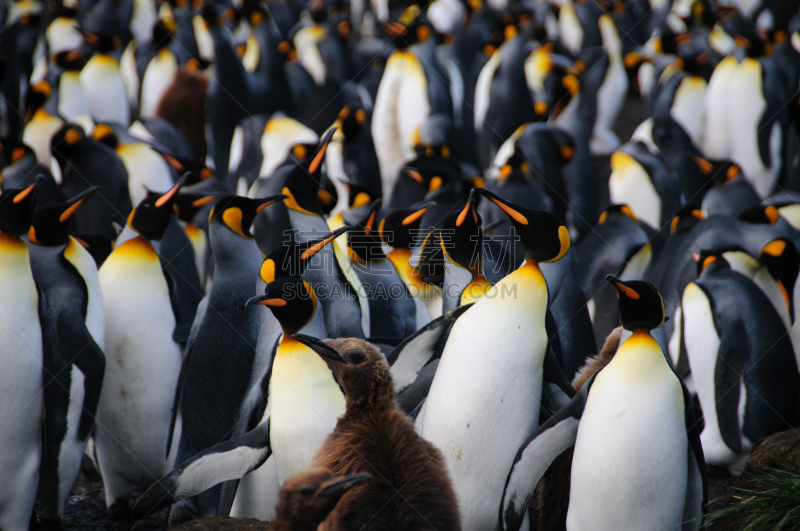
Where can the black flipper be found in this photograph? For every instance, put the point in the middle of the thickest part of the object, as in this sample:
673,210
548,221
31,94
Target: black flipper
728,377
82,351
412,397
182,327
229,460
557,390
697,481
418,350
536,455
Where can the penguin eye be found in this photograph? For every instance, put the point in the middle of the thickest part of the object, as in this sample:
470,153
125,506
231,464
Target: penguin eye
357,358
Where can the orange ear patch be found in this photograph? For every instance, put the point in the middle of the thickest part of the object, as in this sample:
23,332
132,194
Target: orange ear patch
774,248
628,292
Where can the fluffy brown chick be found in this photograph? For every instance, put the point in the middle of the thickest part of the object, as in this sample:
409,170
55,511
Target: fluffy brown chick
412,489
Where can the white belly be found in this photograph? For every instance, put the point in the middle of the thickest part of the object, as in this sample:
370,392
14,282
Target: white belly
158,77
142,368
688,107
629,469
72,100
716,139
610,96
105,90
484,401
304,405
69,459
39,132
95,313
630,184
147,170
702,345
258,493
20,389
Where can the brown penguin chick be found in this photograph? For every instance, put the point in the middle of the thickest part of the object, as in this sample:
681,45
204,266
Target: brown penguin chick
597,362
411,489
308,497
184,106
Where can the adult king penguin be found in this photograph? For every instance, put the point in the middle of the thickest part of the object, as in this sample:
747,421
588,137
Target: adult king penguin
220,350
638,463
143,361
480,426
744,368
73,323
22,355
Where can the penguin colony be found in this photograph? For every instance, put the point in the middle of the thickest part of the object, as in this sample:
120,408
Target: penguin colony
347,265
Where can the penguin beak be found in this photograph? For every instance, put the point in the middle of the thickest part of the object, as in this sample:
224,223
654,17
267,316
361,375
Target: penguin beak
316,162
203,201
317,345
76,202
468,208
504,205
622,288
317,245
369,220
411,218
341,484
267,201
267,299
27,191
169,196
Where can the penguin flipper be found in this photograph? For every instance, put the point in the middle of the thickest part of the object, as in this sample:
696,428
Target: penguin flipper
697,482
411,398
557,390
419,349
83,352
182,326
733,349
536,455
229,460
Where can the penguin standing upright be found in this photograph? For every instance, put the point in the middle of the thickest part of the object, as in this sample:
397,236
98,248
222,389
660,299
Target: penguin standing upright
480,427
744,367
298,408
103,85
142,360
40,125
219,353
638,462
73,329
22,354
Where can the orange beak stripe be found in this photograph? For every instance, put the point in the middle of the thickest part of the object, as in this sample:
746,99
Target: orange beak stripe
414,217
627,291
370,223
23,194
314,249
513,214
264,205
463,215
68,212
203,201
274,302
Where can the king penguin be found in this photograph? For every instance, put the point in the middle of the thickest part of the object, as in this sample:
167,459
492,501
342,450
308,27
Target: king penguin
638,462
480,427
300,403
744,368
143,361
219,353
73,330
22,354
103,85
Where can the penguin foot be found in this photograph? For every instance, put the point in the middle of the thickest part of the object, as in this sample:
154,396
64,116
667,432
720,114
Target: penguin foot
120,510
181,512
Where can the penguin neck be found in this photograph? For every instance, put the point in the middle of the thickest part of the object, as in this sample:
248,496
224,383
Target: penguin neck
11,242
639,357
233,253
367,399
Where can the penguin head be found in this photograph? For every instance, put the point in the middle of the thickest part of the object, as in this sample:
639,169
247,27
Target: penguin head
308,497
104,43
16,209
360,368
151,216
363,240
50,226
35,98
188,204
614,210
70,60
708,260
105,134
640,304
462,238
237,213
762,215
292,301
352,118
782,260
65,141
686,218
544,238
292,259
12,152
400,227
430,261
302,182
327,194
